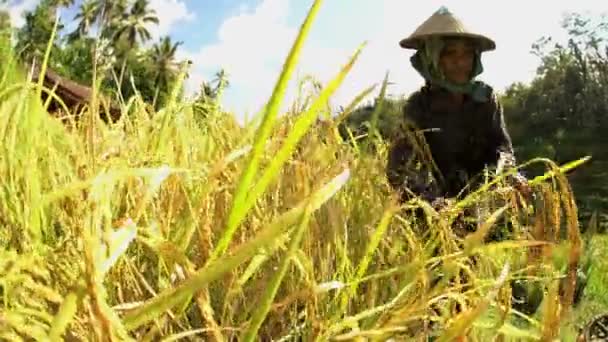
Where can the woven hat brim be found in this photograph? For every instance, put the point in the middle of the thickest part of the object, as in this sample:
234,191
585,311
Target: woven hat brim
444,23
484,43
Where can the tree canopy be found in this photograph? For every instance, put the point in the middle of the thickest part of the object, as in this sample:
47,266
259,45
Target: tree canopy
563,113
110,38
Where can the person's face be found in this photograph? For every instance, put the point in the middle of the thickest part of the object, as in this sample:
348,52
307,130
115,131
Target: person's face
456,60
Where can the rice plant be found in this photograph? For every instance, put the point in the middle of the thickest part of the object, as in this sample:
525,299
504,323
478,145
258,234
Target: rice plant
163,226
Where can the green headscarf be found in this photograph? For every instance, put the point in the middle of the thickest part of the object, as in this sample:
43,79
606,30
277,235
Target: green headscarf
426,62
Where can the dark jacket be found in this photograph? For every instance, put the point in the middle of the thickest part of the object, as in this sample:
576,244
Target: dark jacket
462,141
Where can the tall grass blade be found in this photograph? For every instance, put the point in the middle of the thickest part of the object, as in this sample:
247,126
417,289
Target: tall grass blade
354,103
368,255
378,109
267,298
47,54
464,321
154,307
559,170
238,211
66,313
300,128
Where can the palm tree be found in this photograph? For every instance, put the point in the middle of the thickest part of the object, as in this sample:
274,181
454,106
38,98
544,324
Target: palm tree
87,15
34,36
63,3
205,102
5,28
163,63
56,4
207,91
221,80
5,20
134,23
110,14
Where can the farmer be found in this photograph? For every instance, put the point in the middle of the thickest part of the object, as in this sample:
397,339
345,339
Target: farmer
461,117
461,120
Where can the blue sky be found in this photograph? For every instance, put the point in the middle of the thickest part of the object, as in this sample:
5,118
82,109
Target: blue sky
210,14
251,38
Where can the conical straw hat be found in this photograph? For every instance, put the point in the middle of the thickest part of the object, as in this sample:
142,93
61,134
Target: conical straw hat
444,23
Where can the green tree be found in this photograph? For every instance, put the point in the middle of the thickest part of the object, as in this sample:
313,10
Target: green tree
206,100
221,81
164,66
207,92
109,15
388,124
5,20
76,60
5,26
133,26
563,113
62,3
109,36
86,17
130,30
5,40
35,35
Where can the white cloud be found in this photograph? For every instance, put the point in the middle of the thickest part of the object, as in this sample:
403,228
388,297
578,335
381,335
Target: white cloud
170,13
17,8
252,45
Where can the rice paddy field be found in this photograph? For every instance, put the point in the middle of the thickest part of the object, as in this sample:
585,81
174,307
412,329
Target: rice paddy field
167,226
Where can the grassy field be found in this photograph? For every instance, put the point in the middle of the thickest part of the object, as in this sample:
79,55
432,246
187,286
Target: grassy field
171,226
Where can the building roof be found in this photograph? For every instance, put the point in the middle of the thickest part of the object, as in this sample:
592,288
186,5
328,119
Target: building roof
71,92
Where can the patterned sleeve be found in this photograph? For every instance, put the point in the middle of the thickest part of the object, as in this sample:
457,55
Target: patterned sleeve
500,135
503,147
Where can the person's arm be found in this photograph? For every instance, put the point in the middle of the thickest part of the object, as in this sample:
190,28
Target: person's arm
503,153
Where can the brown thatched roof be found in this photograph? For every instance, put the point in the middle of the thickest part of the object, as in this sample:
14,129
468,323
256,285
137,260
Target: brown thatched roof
75,91
72,93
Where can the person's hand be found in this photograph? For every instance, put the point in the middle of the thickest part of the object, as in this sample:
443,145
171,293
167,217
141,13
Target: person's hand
440,203
525,190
